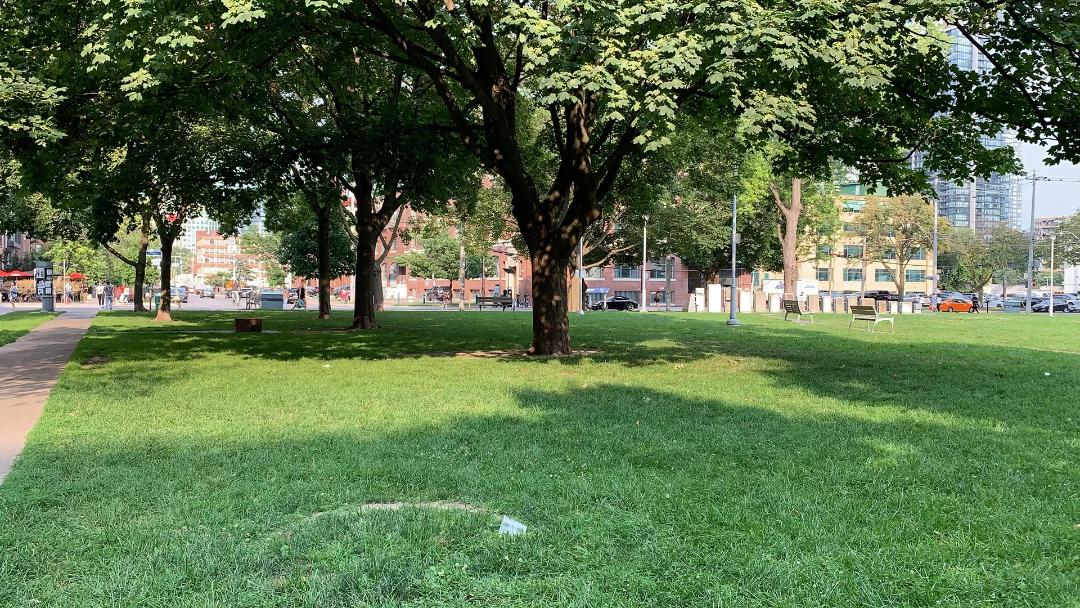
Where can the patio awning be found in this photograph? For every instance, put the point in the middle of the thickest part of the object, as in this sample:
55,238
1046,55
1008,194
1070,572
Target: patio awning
76,276
597,290
18,274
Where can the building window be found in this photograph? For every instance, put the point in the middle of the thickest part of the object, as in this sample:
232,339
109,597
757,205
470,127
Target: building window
850,228
915,276
853,251
823,274
632,295
825,250
853,274
595,272
627,272
658,297
889,254
882,275
919,254
659,270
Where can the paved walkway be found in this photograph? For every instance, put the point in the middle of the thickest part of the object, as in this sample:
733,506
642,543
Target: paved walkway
29,368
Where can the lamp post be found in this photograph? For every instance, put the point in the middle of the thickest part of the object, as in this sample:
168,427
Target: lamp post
733,319
580,275
644,262
934,292
1053,237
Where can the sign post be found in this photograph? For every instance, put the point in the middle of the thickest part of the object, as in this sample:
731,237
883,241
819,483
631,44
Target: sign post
43,282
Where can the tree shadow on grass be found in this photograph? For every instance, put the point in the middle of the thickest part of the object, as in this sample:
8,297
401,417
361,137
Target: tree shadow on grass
631,495
1007,384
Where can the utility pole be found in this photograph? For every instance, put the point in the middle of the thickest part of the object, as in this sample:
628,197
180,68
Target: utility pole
644,262
1031,244
733,317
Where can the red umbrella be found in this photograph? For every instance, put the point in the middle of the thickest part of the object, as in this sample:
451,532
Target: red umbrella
76,276
18,274
3,274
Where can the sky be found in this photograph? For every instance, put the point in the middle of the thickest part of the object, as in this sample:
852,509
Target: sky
1051,198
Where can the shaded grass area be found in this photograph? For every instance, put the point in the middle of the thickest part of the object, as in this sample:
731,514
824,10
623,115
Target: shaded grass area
683,463
15,325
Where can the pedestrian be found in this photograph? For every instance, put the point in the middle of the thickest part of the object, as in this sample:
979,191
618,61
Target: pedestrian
13,294
108,293
975,304
301,297
67,293
99,291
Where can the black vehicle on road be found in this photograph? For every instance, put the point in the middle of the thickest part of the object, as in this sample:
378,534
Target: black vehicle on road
616,303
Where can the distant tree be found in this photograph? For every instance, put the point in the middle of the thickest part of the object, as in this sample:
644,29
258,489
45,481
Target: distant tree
1068,240
896,230
438,257
974,260
300,250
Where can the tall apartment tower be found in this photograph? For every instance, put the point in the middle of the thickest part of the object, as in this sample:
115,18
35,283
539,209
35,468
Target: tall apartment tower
979,203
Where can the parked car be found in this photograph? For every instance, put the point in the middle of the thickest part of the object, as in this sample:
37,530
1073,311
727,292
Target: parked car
881,294
179,294
615,303
954,302
917,297
1062,303
207,292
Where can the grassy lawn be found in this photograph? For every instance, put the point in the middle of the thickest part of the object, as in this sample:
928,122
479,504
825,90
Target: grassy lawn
681,463
14,325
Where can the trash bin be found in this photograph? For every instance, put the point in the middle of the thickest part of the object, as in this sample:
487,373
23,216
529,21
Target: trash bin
156,301
271,300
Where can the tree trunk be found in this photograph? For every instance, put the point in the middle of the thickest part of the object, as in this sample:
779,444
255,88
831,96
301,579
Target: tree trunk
140,264
789,237
164,312
364,303
323,215
378,289
551,326
791,241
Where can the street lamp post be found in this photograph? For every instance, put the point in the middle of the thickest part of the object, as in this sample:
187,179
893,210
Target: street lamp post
733,316
580,278
1052,239
934,293
644,257
1031,245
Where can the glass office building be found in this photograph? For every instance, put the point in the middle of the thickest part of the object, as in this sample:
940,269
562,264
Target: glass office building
979,203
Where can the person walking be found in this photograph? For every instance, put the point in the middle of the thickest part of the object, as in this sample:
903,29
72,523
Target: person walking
67,293
108,294
13,294
99,291
975,304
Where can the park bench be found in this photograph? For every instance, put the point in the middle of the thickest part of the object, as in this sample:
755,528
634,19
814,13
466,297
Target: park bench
492,301
791,307
871,316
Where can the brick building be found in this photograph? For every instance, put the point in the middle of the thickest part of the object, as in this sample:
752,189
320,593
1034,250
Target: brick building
213,253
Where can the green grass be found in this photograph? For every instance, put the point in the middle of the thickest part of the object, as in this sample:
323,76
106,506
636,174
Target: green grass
683,464
15,325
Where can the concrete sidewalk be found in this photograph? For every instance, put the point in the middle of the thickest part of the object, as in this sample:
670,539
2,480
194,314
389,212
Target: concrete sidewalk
29,368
